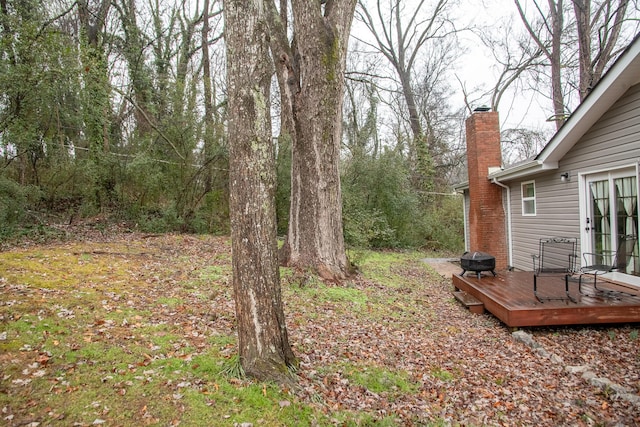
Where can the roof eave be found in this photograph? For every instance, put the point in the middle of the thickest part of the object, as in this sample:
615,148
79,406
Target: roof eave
522,170
623,74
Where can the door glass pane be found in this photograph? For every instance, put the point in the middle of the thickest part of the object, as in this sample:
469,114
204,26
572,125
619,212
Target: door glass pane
601,217
627,216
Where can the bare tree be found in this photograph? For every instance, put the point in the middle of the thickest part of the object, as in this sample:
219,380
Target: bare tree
405,36
515,56
210,113
520,144
133,47
361,126
596,33
264,348
310,69
547,32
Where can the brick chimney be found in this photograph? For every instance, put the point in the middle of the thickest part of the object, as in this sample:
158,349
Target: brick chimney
487,226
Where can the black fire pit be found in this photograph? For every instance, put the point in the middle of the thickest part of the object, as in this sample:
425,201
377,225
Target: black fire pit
477,262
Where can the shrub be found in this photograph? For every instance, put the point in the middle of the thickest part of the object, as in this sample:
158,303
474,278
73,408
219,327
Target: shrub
13,204
381,208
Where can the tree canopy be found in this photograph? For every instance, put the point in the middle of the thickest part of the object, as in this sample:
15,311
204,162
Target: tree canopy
118,109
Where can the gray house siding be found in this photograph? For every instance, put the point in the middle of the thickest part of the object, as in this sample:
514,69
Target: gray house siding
613,142
557,214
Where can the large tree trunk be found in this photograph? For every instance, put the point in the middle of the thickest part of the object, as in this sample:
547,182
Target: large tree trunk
419,154
96,98
264,349
582,11
315,237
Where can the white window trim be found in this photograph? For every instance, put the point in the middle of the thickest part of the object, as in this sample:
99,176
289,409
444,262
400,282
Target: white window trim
528,199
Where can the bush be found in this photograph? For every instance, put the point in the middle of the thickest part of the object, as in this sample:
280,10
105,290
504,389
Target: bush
382,209
13,203
444,225
367,229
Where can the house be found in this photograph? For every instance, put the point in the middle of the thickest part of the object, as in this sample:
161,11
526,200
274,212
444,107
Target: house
583,184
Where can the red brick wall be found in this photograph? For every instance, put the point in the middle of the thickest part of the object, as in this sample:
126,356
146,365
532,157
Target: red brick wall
487,226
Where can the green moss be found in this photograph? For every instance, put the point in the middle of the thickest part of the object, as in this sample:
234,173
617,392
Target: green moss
442,374
10,345
331,57
66,267
223,341
381,380
258,404
34,332
71,302
345,298
349,419
348,295
170,301
214,273
160,337
127,315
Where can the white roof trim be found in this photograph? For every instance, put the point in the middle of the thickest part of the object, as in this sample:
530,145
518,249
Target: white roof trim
522,169
624,73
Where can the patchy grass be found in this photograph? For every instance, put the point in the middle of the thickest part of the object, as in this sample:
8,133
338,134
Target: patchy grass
140,330
441,374
381,380
135,332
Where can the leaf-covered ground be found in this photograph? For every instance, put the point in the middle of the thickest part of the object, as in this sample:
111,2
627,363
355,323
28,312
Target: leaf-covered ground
139,330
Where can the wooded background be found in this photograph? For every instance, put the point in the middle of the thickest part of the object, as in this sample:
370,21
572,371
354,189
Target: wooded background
117,110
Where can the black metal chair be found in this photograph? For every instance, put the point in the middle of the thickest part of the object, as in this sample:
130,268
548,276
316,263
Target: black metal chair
556,257
597,264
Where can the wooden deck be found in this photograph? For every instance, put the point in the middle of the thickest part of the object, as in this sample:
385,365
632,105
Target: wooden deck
509,296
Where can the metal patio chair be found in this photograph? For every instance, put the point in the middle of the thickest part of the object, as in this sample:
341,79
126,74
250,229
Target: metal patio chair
556,257
597,264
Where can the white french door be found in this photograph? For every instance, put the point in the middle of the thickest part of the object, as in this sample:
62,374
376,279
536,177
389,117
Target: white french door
611,205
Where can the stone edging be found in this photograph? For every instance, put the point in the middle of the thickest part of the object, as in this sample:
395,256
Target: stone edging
587,375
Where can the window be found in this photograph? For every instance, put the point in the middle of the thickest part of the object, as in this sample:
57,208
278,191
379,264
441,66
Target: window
529,198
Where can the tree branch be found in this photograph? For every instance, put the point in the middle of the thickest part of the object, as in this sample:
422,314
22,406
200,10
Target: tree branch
148,119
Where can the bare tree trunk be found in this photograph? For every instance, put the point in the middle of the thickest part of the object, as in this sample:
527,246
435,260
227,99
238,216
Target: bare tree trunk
311,76
598,31
96,76
264,349
609,18
208,99
401,34
608,37
555,28
315,238
139,74
557,23
582,9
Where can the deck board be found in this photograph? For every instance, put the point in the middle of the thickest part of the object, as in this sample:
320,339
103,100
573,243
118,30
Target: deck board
509,296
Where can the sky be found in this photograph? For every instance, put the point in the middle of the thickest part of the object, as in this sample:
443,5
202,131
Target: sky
476,67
